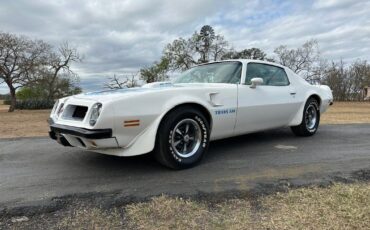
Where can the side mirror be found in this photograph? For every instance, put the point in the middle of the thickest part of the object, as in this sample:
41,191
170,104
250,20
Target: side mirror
256,81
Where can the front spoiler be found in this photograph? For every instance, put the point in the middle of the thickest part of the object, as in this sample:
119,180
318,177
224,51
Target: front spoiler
79,132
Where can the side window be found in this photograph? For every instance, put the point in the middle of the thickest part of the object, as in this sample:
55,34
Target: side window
271,75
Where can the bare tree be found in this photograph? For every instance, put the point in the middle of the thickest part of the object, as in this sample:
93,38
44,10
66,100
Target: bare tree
60,62
301,60
347,81
219,47
252,53
335,78
127,82
20,57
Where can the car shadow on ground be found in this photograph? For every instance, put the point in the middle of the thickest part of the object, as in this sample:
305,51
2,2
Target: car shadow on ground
230,147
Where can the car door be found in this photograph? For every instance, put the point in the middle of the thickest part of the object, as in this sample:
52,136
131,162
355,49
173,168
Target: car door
269,105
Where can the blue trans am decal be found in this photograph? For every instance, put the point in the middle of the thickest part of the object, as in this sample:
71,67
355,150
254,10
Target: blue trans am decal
225,111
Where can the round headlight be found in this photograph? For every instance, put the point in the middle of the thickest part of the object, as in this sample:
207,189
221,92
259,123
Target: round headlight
95,113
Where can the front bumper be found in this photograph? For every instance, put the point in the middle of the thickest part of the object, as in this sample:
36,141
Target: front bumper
82,137
81,132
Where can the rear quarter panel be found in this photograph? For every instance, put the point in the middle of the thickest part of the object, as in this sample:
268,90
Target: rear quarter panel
304,91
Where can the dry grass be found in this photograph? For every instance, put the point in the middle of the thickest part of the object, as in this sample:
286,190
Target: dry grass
23,123
347,113
340,206
91,218
164,213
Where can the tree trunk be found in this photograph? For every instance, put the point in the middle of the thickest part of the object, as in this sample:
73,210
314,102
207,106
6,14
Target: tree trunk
13,99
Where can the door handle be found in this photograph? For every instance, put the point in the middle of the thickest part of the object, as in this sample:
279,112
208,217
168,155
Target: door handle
293,93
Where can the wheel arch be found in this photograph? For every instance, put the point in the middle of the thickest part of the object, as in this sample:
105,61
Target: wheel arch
297,119
316,97
198,106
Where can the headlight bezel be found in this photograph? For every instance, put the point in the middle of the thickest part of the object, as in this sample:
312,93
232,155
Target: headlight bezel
56,104
60,109
95,113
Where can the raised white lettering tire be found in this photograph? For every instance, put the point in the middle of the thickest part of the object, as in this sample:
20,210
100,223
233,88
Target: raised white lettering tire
182,138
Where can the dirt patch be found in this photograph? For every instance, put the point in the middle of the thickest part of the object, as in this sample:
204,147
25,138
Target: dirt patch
23,123
347,113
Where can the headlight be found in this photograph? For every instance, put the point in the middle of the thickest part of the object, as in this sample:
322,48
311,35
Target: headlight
55,107
95,112
60,110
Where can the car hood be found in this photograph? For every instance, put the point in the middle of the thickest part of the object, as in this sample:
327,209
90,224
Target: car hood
109,95
112,94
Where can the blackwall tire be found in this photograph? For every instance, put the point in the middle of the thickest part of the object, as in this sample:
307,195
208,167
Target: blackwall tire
182,138
310,120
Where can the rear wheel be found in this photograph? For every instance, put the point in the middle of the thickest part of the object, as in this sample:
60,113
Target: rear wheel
310,120
182,139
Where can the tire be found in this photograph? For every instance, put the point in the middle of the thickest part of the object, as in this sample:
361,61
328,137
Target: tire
310,119
182,138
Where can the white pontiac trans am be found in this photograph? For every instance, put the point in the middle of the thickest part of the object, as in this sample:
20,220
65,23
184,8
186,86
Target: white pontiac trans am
178,119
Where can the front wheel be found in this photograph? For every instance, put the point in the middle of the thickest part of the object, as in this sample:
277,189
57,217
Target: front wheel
310,121
183,138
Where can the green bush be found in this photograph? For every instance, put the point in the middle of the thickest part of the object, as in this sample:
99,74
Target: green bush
6,102
34,104
4,97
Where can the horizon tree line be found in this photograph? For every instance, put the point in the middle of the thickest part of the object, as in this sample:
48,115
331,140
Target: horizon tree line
34,68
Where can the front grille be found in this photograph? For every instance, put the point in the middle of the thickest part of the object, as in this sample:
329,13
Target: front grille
75,112
80,112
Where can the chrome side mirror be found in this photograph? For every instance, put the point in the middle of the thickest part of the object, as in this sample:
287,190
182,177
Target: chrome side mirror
256,81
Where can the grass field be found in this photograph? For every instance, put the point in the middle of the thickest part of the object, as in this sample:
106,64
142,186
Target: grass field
28,123
340,206
337,207
347,113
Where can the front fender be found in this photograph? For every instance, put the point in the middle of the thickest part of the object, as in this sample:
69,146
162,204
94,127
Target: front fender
144,142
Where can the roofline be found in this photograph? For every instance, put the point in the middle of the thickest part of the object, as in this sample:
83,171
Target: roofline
245,61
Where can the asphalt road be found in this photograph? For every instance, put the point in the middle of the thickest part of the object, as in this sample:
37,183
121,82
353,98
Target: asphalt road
34,169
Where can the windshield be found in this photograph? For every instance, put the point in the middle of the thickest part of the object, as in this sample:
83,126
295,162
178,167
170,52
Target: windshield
222,72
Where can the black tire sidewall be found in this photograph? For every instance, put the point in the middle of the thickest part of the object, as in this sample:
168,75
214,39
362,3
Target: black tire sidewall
311,101
166,131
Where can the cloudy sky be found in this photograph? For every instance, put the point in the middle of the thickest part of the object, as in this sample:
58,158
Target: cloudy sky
123,35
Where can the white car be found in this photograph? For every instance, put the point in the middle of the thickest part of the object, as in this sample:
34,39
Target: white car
178,119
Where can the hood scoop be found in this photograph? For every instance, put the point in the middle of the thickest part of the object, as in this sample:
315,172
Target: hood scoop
158,84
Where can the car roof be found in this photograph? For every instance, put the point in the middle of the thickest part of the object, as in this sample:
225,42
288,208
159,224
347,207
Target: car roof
245,61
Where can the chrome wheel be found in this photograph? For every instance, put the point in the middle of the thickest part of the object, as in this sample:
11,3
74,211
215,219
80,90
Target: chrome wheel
311,117
186,138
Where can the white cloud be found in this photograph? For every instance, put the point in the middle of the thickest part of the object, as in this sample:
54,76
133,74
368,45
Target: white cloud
318,4
124,35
